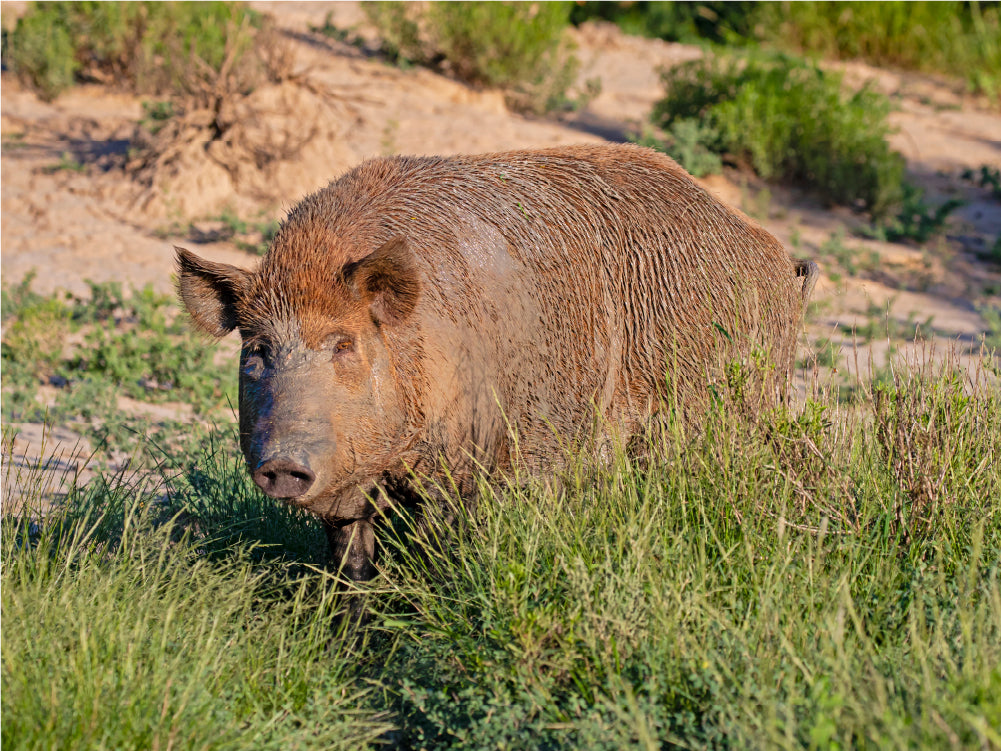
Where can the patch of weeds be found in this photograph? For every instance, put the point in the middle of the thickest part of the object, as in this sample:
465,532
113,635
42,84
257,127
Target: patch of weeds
914,219
986,177
144,46
995,252
685,142
267,231
13,140
331,30
388,142
137,346
759,205
825,354
691,23
20,297
852,260
917,423
251,236
795,238
787,119
961,39
518,47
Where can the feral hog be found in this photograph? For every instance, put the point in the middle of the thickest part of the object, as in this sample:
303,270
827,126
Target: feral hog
426,315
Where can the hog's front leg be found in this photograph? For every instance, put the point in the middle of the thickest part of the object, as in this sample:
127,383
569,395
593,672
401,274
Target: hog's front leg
352,547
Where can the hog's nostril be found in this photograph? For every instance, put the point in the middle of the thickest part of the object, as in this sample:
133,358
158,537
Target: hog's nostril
284,478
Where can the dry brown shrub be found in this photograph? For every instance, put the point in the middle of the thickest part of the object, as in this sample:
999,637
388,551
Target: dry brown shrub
233,127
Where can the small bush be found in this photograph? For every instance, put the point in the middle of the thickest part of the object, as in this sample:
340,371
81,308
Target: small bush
145,47
786,119
519,47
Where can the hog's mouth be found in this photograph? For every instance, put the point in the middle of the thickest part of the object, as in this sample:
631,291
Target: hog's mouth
353,498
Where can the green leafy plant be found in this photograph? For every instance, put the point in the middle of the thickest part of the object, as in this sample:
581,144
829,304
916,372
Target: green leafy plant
957,39
914,219
986,177
786,119
518,47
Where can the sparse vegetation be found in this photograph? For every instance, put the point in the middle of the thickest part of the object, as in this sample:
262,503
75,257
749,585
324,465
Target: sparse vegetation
95,350
992,326
880,323
986,177
961,39
518,47
914,219
851,259
787,120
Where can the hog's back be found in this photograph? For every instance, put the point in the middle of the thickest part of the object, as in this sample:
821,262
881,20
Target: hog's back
571,287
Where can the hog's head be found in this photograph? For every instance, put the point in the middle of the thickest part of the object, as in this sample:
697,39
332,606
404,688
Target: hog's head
322,415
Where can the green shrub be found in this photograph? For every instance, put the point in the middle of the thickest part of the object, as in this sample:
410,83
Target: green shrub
147,47
689,22
519,47
960,39
786,119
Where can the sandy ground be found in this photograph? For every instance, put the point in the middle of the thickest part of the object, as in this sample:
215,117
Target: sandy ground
100,224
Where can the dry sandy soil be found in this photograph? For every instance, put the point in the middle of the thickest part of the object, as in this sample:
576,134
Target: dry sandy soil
345,105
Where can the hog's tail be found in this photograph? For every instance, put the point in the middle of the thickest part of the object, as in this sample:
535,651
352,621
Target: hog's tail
810,272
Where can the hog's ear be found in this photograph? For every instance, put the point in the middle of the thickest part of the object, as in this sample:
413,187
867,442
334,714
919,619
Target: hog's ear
209,291
387,278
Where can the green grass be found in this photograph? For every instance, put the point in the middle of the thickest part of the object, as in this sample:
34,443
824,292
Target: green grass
957,39
121,632
825,577
786,119
952,38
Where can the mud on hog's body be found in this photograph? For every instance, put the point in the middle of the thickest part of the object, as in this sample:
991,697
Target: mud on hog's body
424,314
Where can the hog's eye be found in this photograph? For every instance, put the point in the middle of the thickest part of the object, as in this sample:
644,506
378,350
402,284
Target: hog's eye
253,366
342,345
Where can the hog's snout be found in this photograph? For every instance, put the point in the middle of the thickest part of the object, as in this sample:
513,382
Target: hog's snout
284,478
